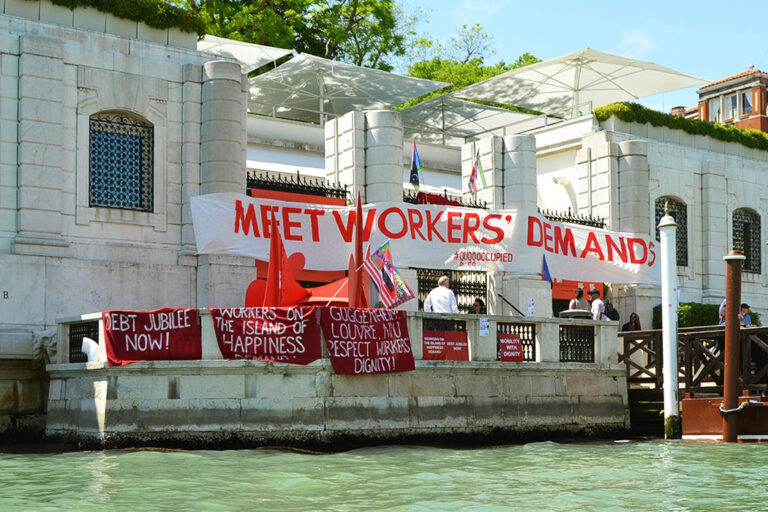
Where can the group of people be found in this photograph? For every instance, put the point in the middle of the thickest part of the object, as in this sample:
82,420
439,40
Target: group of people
442,300
745,320
602,310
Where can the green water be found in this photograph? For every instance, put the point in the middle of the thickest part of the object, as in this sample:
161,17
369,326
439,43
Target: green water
651,475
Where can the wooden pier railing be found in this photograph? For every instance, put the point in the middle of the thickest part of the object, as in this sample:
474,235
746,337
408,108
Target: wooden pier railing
699,357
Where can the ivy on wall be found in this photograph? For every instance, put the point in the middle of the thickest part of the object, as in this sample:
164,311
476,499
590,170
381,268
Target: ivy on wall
154,13
635,113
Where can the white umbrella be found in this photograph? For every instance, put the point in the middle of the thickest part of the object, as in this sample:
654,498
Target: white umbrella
446,116
308,87
577,82
251,56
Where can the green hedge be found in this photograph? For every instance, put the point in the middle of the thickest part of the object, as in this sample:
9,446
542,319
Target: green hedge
154,13
694,314
635,113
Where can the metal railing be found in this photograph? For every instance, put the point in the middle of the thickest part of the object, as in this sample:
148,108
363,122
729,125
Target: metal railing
577,344
411,196
296,185
572,218
78,331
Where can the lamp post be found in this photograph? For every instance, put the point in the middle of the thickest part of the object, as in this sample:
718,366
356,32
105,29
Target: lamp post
668,239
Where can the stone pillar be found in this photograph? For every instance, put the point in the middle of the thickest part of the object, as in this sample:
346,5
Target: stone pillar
714,236
345,151
509,164
9,108
383,156
40,154
634,217
221,139
222,280
598,167
519,173
190,156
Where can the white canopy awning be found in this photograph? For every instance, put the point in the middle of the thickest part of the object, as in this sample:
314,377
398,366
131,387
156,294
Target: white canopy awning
578,82
446,116
251,56
308,87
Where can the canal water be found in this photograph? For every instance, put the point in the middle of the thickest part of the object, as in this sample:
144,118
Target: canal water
647,475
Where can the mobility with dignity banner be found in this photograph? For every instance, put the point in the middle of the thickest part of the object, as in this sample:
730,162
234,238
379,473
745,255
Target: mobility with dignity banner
367,341
511,347
285,334
159,335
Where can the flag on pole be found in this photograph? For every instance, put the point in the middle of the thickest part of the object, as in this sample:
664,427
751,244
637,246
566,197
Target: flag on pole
392,287
477,173
415,167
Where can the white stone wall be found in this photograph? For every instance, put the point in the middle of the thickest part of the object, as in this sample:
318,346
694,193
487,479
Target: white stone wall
256,403
59,256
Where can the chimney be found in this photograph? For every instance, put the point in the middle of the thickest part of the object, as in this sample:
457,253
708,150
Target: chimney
678,111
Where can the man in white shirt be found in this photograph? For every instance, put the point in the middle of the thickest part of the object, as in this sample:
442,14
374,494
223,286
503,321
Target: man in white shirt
598,307
441,299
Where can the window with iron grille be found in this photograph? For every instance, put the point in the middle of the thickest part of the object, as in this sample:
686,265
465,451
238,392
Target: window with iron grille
746,238
121,156
466,285
679,211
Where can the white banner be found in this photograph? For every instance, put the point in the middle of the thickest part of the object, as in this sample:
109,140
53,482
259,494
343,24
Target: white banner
427,236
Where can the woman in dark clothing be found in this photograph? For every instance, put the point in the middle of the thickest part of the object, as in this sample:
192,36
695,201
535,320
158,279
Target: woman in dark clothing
633,324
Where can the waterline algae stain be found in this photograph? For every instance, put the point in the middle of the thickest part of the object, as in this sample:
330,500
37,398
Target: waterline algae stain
652,475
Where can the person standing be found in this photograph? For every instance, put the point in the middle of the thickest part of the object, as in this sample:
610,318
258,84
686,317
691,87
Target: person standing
598,308
478,308
721,313
441,299
579,302
744,318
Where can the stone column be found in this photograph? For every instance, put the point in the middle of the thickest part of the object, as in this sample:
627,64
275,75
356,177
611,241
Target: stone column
222,280
519,173
598,166
383,156
40,154
634,217
714,235
221,140
190,156
345,151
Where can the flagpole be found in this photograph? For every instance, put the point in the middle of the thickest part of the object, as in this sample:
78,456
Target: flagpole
342,286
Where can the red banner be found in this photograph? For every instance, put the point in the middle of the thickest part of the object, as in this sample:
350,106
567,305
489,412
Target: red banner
287,334
445,346
159,335
511,348
367,341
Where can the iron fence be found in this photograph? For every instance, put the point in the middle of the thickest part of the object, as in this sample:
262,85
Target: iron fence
577,344
572,218
296,185
466,285
411,196
77,332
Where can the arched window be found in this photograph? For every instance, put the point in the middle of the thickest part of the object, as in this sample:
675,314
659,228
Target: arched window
121,162
746,238
679,211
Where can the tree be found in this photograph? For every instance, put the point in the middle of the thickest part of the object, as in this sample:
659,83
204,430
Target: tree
362,32
470,43
267,22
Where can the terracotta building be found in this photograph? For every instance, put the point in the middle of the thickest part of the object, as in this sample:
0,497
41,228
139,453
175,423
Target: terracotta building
739,100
